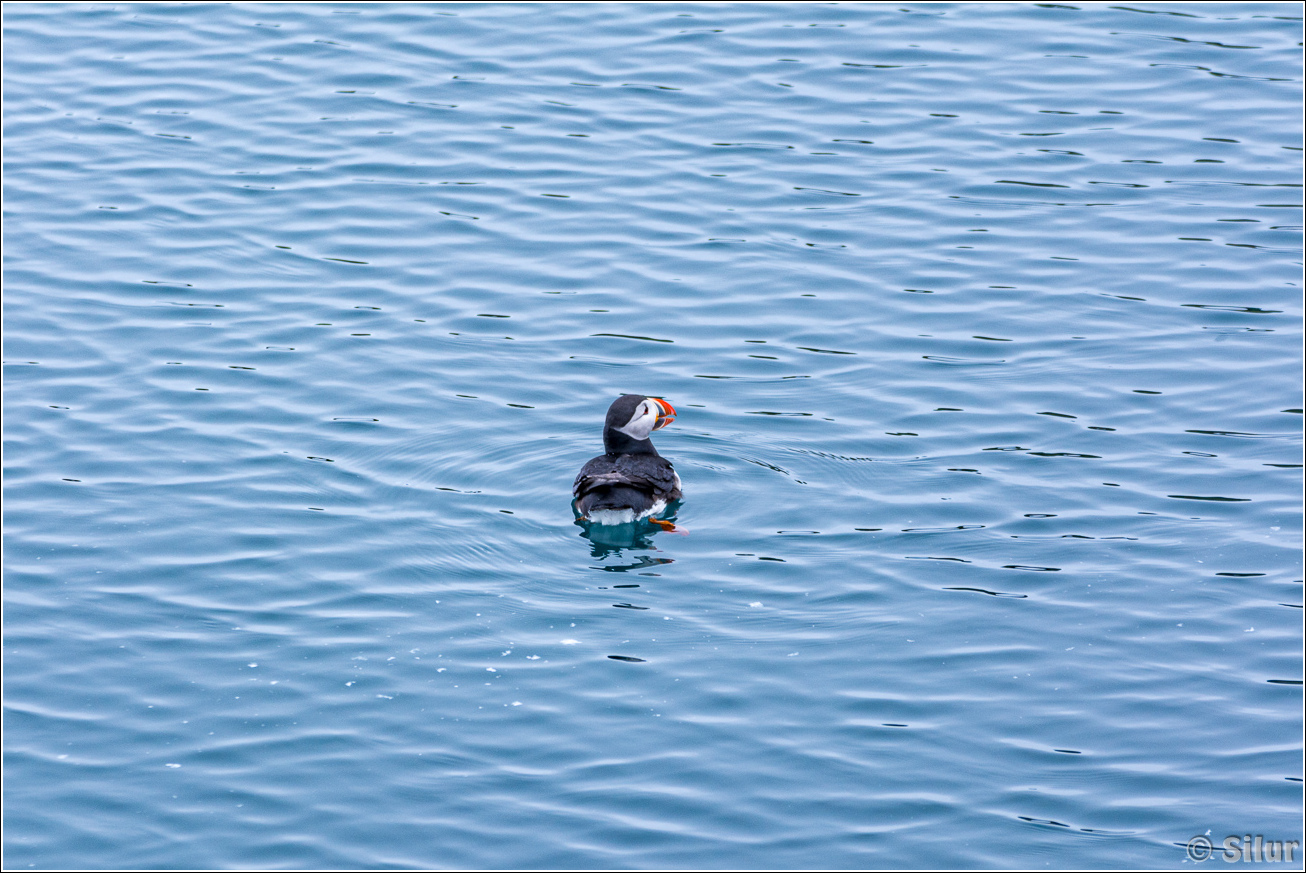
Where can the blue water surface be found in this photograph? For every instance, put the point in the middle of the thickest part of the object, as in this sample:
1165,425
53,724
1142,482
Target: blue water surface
983,326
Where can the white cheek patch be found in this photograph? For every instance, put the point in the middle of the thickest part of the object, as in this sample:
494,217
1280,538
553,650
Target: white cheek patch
639,428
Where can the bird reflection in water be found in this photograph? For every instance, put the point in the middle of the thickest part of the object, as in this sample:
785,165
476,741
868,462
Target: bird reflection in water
614,539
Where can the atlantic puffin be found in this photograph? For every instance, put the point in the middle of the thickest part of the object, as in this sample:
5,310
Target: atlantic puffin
630,481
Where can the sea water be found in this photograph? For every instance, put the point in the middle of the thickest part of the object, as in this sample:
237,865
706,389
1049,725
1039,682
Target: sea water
983,326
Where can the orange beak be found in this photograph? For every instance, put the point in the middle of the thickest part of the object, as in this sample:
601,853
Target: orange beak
668,412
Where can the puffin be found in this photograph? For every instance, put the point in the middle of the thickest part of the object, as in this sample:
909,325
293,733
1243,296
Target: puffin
630,481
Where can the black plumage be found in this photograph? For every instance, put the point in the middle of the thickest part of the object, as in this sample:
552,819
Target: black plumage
630,475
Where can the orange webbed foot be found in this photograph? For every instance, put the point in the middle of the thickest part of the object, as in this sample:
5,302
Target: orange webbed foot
668,526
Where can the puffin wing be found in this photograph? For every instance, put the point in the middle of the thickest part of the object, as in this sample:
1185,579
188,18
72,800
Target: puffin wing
596,473
652,473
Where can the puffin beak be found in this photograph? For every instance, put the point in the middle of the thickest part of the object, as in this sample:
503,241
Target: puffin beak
668,412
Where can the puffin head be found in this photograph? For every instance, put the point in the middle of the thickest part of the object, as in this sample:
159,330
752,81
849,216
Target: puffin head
637,416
